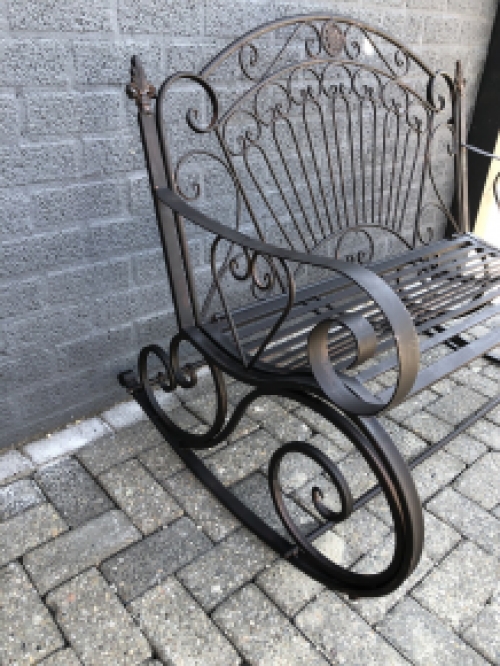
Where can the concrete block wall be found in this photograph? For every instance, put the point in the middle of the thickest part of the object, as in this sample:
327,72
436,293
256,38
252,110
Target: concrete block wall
82,284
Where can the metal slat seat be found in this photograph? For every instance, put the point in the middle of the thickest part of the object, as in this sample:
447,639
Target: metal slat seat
449,280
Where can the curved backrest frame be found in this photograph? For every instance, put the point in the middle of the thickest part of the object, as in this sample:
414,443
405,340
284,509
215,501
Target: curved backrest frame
264,56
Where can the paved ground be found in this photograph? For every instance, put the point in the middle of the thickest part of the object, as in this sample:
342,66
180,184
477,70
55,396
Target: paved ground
111,553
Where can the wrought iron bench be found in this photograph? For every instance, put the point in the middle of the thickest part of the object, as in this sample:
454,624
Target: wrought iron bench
304,150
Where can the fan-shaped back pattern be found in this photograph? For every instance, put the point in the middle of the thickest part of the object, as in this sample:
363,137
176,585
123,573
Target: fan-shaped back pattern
314,133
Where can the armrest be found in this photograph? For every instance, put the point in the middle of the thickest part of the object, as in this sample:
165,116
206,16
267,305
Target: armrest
349,394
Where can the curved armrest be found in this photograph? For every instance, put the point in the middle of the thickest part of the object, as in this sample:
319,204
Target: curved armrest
349,394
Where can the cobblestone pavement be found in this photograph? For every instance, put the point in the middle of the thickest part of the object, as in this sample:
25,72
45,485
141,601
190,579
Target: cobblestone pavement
111,553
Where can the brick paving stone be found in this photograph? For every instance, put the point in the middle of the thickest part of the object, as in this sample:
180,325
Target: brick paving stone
468,518
380,508
424,640
73,491
357,473
428,427
167,401
374,610
407,442
245,456
179,630
28,530
457,406
265,409
343,636
261,633
388,378
86,546
486,432
254,492
95,623
18,497
236,391
62,658
333,547
320,425
415,404
201,505
439,538
66,441
494,415
288,587
245,427
14,466
444,386
436,353
162,461
466,448
28,633
136,492
147,563
475,380
113,449
215,575
484,634
481,482
360,533
458,588
435,473
186,420
286,427
124,414
296,468
203,407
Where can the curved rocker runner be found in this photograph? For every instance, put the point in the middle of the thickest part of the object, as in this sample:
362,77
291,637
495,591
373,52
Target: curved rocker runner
313,143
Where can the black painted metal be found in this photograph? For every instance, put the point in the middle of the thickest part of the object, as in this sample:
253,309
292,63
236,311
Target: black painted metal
485,125
305,339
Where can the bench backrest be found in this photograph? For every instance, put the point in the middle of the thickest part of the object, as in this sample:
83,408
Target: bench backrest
317,133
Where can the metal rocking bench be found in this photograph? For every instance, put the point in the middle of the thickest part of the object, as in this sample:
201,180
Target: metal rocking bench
306,165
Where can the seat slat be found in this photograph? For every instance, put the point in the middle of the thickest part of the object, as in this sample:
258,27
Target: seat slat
444,281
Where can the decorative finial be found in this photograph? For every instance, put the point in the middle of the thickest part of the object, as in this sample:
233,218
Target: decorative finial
139,89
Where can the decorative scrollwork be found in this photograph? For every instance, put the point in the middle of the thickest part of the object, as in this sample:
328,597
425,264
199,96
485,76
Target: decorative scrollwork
437,99
263,282
333,474
385,463
169,378
332,38
347,392
367,255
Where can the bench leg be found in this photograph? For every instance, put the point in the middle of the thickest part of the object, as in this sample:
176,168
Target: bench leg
367,435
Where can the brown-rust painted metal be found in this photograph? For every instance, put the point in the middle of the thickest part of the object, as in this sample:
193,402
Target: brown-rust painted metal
303,341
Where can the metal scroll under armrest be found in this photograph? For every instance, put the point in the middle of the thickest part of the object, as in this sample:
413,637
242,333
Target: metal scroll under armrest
347,393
